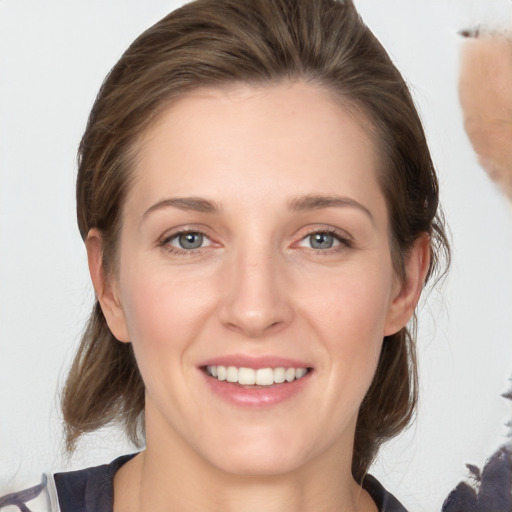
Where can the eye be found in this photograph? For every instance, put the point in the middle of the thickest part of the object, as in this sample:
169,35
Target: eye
321,240
186,241
189,240
325,240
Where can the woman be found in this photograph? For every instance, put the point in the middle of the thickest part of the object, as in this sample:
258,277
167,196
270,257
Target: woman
260,213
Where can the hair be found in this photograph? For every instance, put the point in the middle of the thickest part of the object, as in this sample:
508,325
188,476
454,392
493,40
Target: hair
217,43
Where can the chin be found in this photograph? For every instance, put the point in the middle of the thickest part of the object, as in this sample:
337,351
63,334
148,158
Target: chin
260,456
260,466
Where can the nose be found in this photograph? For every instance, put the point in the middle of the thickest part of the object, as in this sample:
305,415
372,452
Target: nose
256,300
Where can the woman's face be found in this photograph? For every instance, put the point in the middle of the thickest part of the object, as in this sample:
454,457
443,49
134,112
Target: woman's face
254,247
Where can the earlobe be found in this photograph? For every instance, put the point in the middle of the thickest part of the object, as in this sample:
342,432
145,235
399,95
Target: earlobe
409,291
105,287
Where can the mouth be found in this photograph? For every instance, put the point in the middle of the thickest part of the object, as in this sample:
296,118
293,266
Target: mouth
255,377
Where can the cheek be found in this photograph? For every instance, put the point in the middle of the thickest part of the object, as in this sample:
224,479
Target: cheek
359,333
163,313
355,305
349,318
164,317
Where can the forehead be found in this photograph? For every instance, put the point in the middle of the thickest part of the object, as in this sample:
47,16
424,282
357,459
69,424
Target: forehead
245,139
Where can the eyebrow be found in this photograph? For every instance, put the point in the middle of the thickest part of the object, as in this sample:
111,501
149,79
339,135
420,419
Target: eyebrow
196,204
297,204
317,202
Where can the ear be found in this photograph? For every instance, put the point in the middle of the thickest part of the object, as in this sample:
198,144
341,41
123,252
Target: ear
105,287
409,289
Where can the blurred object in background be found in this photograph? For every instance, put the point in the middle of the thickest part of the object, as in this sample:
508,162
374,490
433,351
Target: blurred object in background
494,14
490,489
485,91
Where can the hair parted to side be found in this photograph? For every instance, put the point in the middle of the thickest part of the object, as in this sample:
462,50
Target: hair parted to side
215,43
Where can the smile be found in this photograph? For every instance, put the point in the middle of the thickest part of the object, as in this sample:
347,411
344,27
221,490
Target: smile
255,377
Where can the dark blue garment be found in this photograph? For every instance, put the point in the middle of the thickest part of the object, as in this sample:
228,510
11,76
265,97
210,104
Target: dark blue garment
88,490
91,490
384,500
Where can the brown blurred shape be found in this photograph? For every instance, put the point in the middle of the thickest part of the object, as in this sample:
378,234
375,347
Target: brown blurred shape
485,91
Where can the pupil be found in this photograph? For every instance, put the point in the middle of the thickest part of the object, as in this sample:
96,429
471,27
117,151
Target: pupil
321,241
191,240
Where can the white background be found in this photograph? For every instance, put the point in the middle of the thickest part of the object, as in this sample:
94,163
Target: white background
53,57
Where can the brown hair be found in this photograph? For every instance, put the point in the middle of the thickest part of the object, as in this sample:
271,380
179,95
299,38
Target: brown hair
215,43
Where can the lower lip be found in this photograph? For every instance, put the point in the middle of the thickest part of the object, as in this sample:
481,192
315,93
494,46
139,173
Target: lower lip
266,396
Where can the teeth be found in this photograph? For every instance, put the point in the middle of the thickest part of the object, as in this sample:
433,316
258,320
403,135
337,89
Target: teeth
259,377
300,372
246,376
279,375
221,372
232,374
265,377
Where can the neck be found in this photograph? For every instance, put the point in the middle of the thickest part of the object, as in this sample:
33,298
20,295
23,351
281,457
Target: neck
227,492
157,481
171,475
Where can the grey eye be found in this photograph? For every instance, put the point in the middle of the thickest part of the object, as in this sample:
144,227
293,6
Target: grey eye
190,240
321,240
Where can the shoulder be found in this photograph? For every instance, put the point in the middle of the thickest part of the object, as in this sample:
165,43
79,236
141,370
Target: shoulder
85,490
385,501
90,489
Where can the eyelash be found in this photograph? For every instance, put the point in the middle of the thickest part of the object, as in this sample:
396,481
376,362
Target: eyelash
345,242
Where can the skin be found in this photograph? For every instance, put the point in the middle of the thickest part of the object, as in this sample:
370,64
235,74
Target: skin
256,287
485,91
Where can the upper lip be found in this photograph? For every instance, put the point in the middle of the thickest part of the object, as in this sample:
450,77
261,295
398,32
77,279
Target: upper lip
255,362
